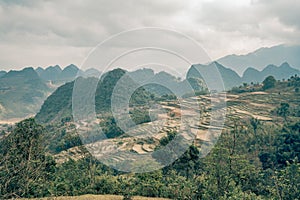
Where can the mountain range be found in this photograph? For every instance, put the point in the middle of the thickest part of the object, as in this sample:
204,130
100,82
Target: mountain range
23,92
231,78
283,71
69,73
2,73
59,104
209,73
163,83
262,57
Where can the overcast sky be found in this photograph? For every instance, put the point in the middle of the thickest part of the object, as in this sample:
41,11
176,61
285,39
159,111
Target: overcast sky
50,32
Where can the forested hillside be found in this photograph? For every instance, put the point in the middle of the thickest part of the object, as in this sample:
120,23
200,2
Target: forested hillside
256,157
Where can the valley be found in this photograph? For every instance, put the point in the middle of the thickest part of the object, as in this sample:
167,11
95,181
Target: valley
162,146
150,100
239,108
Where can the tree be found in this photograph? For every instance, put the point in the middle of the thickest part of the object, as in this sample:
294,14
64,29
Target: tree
24,167
269,82
283,110
254,123
287,148
286,182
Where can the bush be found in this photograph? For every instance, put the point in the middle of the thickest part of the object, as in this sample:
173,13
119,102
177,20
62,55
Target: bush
269,82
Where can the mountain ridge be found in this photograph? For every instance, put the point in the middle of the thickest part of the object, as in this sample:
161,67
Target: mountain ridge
21,93
283,71
62,75
262,57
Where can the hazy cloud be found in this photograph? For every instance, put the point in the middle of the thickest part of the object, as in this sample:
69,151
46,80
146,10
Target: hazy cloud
42,33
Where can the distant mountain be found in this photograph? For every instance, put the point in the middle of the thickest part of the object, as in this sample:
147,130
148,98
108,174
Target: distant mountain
232,79
39,71
263,57
141,75
252,75
59,104
284,71
163,83
50,73
160,83
69,73
2,73
21,93
92,72
208,73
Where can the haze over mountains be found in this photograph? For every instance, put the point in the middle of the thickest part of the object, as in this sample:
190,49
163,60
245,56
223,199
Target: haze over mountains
230,78
283,71
23,92
251,75
69,73
262,57
59,104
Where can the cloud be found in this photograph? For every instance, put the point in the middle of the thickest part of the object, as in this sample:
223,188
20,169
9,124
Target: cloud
241,26
41,33
286,11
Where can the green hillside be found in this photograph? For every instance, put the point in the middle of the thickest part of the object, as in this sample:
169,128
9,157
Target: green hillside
21,93
256,157
230,78
59,104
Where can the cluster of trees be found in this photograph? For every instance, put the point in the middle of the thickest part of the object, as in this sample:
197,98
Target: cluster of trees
252,161
25,169
268,83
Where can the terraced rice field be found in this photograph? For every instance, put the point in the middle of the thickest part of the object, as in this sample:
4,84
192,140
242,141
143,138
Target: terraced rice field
199,118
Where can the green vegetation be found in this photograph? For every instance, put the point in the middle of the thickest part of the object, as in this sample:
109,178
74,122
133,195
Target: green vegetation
253,159
110,128
165,140
140,116
61,139
98,197
59,104
261,162
25,170
283,110
269,82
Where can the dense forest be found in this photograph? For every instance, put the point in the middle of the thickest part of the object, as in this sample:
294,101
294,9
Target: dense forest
252,160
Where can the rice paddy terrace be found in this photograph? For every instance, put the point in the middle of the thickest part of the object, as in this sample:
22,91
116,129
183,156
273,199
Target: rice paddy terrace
195,118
